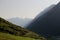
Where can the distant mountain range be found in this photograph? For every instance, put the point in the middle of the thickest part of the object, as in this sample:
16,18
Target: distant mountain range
48,22
20,21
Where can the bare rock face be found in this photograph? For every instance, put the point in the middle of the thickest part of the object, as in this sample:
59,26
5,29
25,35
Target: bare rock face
48,23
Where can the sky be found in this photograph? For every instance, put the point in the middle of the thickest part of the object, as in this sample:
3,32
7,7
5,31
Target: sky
23,8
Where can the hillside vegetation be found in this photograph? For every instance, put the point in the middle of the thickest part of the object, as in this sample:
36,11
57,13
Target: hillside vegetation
7,27
4,36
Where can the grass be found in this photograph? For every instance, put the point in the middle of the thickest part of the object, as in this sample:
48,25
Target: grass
5,36
7,27
14,32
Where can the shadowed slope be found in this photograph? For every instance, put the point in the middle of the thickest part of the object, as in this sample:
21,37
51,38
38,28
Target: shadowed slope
48,23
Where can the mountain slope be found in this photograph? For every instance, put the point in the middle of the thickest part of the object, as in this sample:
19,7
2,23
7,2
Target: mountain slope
48,23
5,36
7,27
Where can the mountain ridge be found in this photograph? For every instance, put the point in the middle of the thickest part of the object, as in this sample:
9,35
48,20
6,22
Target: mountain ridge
47,24
20,21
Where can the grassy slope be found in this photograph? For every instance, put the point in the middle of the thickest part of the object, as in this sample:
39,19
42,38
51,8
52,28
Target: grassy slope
4,36
10,28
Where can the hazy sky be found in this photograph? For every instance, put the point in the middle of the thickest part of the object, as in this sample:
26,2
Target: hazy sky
23,8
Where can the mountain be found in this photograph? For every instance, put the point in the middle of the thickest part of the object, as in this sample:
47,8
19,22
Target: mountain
20,21
48,23
12,29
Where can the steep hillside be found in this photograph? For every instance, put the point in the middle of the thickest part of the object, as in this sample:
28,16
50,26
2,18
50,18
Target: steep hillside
48,24
7,27
5,36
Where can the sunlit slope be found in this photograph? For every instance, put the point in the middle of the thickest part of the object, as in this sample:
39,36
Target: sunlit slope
5,36
7,27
